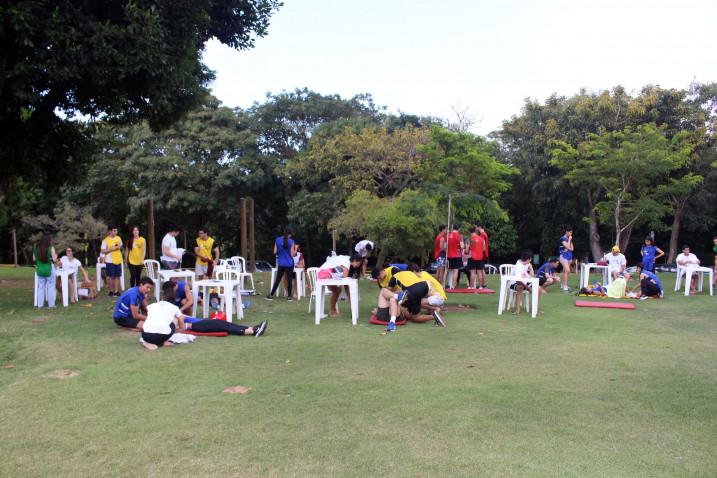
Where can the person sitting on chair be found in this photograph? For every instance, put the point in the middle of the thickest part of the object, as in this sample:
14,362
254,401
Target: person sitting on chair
523,268
687,259
616,264
70,262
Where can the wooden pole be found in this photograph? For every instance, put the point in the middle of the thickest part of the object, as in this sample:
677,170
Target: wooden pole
448,228
252,256
242,208
14,246
333,241
150,229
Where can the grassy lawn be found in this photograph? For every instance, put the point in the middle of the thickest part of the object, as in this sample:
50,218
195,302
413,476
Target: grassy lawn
574,393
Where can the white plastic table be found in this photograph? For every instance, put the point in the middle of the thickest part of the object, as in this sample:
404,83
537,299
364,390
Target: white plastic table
65,281
585,274
320,297
689,270
232,296
300,283
504,286
169,274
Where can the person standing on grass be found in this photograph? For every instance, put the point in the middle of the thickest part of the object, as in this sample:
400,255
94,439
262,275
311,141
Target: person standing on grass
454,252
206,252
171,256
131,308
714,251
648,282
284,250
687,259
112,248
476,262
363,249
486,255
45,260
439,252
650,253
565,255
136,252
70,262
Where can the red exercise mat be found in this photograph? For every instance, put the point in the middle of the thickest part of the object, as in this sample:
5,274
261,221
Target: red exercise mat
604,305
206,334
470,291
374,320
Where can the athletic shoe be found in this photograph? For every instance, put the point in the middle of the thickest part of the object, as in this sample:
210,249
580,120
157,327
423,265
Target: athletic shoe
391,327
110,294
289,299
439,320
261,328
268,297
567,291
644,297
401,297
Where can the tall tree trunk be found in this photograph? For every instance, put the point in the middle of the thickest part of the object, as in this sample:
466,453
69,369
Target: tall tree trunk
676,223
625,238
381,257
594,234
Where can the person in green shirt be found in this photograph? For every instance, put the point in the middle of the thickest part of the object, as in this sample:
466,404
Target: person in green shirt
45,261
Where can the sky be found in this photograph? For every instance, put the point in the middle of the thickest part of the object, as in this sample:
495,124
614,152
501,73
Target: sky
482,57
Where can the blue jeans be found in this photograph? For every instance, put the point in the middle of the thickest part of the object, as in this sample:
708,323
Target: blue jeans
46,289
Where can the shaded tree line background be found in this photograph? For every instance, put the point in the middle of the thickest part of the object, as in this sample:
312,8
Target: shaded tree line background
104,105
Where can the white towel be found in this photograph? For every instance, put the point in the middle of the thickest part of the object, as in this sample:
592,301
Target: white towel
179,338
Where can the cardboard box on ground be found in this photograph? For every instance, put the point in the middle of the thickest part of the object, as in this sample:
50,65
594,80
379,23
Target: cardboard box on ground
87,290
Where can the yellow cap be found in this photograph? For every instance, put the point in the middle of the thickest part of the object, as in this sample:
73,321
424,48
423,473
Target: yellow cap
615,249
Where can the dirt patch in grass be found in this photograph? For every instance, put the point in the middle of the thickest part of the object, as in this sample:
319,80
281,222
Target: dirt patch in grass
63,373
457,307
238,389
17,283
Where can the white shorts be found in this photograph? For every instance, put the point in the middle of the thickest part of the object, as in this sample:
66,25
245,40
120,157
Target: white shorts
436,300
201,270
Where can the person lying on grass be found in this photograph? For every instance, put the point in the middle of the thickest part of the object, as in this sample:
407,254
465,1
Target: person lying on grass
411,291
164,319
649,283
131,308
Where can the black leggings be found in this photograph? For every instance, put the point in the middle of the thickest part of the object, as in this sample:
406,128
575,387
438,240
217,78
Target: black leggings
135,273
649,288
218,326
279,274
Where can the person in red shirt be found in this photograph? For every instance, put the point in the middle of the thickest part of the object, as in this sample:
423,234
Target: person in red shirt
476,262
484,259
439,252
455,255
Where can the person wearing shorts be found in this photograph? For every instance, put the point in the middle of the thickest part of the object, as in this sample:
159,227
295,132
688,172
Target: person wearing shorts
112,248
411,290
454,252
339,267
439,252
546,274
171,257
131,308
565,255
476,261
206,251
523,268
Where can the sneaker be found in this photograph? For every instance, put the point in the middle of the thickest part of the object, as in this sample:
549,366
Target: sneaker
567,291
439,320
110,294
644,297
289,299
391,327
260,329
401,297
269,297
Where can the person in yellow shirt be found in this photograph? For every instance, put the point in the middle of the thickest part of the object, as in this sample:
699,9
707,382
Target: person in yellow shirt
112,248
135,253
206,252
411,292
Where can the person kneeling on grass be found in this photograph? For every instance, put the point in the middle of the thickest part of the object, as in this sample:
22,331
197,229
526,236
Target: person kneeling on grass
546,274
523,268
410,291
131,308
649,283
184,299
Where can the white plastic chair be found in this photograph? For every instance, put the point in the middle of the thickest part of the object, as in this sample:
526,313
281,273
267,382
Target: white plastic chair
222,273
153,268
312,273
678,280
508,269
490,269
239,264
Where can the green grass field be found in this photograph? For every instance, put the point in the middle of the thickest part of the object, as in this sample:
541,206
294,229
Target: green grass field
574,393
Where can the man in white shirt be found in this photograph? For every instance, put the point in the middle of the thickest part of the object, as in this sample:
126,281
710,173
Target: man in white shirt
363,249
687,259
616,264
523,268
70,262
171,256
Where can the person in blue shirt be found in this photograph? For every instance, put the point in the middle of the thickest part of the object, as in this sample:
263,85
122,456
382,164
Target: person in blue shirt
131,307
650,285
284,250
565,254
649,254
183,298
546,274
